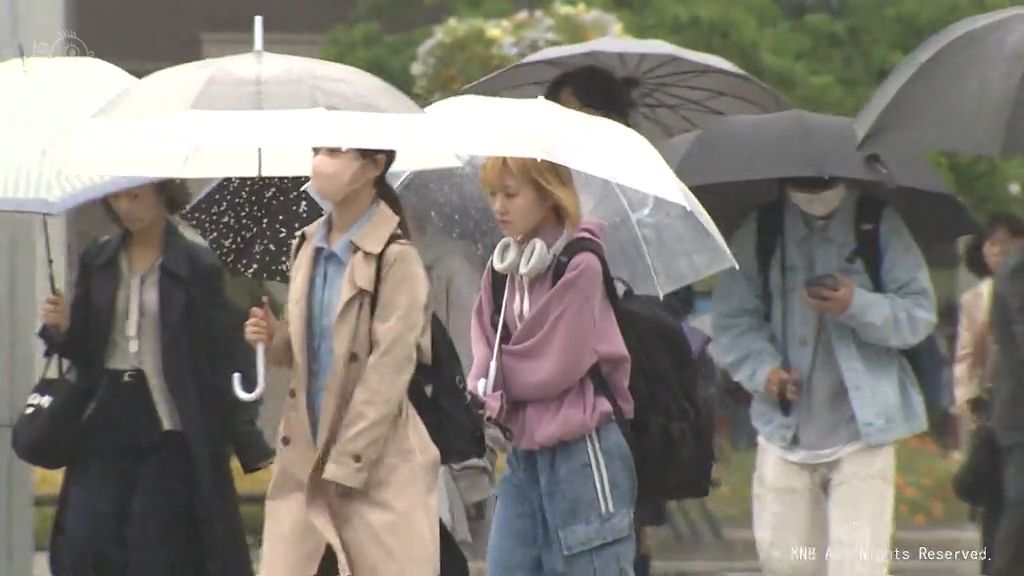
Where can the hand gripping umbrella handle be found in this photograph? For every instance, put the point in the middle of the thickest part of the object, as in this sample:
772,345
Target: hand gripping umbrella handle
261,377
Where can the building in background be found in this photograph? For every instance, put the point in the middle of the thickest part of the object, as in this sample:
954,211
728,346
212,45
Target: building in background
142,36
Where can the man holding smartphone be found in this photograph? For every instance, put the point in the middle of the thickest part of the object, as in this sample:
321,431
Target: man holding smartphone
801,326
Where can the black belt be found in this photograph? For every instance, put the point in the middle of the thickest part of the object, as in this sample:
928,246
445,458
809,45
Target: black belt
135,375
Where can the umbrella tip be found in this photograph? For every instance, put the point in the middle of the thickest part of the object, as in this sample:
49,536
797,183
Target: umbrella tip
257,34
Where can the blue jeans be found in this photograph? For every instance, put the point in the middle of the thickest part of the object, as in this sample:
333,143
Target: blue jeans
566,510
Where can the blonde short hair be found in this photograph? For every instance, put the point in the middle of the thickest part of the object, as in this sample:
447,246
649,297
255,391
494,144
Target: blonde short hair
553,180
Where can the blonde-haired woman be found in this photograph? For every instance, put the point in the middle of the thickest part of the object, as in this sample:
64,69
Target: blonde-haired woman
565,502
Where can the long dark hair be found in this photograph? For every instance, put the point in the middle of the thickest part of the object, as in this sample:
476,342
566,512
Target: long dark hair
385,191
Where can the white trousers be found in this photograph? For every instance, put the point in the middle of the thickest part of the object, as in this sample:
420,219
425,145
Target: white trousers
829,519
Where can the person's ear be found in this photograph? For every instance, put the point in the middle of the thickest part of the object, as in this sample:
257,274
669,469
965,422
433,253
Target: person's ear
379,164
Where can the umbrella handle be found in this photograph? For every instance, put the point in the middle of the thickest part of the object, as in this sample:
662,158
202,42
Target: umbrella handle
486,385
261,377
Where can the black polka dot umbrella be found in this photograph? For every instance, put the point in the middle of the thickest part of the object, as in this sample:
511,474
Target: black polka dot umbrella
250,223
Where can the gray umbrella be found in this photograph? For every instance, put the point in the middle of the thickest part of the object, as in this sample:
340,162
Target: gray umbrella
961,91
676,90
735,164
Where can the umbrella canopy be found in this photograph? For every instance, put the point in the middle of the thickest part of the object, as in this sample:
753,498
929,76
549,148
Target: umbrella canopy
736,163
961,91
674,90
257,80
659,236
43,99
250,223
251,114
249,143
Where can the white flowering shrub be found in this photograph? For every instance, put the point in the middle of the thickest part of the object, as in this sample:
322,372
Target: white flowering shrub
462,50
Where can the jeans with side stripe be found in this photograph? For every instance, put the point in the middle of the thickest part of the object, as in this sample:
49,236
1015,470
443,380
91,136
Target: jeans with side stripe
566,510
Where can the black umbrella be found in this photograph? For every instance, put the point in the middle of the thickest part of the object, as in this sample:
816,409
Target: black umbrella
250,223
735,164
961,91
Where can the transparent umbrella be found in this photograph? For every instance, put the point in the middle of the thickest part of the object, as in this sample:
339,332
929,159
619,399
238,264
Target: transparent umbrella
659,236
652,244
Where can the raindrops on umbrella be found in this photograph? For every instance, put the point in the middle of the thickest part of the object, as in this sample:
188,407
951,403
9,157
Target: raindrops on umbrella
251,222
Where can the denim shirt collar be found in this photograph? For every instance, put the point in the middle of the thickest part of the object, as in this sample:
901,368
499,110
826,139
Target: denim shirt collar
342,248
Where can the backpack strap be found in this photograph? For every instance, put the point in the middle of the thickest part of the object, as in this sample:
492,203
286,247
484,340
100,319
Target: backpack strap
577,246
769,229
868,236
300,240
376,277
498,282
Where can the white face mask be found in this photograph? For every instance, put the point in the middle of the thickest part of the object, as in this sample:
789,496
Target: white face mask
821,204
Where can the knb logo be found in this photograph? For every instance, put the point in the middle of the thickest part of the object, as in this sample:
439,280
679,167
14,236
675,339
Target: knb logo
37,401
66,44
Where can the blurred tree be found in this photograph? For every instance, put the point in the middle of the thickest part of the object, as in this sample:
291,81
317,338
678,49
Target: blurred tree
367,46
824,55
987,186
461,50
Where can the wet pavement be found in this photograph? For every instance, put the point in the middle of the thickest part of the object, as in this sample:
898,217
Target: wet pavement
735,555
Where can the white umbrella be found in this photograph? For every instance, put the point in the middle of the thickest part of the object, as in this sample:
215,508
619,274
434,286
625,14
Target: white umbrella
42,100
659,238
250,143
251,114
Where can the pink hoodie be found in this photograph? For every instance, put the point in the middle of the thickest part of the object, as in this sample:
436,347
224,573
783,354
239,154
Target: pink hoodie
542,393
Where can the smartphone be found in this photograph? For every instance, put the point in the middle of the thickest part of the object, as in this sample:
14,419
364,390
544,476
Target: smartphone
824,283
785,404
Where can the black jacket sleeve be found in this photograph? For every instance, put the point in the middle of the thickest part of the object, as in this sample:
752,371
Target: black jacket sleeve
74,344
231,354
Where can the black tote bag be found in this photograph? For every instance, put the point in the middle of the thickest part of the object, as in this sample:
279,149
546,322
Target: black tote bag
978,481
49,430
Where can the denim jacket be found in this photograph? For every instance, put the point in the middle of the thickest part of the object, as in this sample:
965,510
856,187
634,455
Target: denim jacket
867,339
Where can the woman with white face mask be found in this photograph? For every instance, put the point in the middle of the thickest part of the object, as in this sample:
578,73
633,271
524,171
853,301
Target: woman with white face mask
354,489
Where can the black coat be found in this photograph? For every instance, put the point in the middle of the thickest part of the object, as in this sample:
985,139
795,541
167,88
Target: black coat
202,347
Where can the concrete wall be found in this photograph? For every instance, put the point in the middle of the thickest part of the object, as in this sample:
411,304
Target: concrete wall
38,25
22,283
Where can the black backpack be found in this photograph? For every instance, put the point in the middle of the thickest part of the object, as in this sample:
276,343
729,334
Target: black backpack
453,417
926,358
671,432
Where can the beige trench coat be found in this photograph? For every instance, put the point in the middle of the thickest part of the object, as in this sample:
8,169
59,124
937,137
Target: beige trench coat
367,486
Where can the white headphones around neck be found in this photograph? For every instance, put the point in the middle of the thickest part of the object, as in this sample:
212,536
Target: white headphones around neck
513,259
